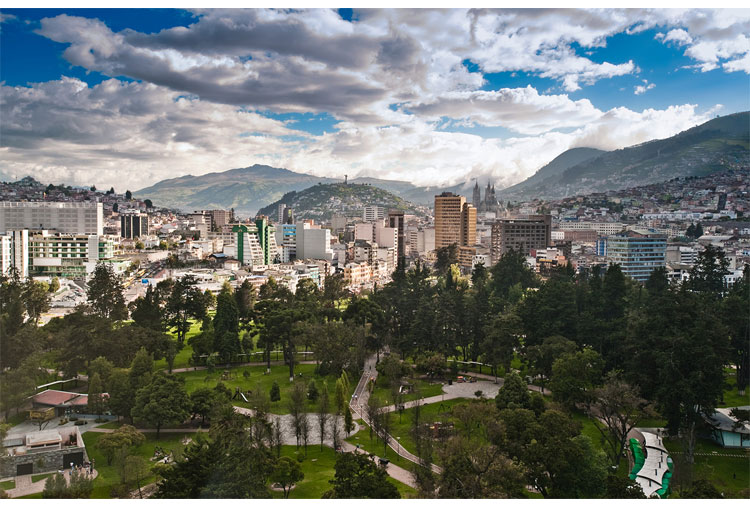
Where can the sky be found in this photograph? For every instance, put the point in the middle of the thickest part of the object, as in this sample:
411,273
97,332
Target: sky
129,97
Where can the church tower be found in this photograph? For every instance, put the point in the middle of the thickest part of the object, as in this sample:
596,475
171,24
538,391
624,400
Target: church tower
476,199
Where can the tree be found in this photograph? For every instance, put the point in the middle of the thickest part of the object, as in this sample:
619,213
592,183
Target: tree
81,486
231,463
348,421
245,299
708,272
104,368
296,407
36,297
509,270
623,487
128,195
185,301
148,203
54,285
339,396
446,257
124,437
619,407
574,376
502,339
312,391
702,488
95,398
513,393
473,470
135,471
286,474
105,293
162,401
141,369
121,394
357,476
55,487
275,392
205,401
323,415
542,357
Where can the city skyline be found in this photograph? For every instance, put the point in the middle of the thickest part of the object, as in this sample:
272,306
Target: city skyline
126,98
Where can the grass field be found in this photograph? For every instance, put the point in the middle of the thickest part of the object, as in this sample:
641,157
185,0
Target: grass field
729,474
259,380
423,389
318,468
110,425
109,475
732,397
402,429
11,484
40,477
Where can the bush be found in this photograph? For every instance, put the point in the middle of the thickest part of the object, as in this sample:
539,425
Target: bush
81,423
300,457
72,418
275,392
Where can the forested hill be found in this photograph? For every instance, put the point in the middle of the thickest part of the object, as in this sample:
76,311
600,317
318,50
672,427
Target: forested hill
719,144
320,202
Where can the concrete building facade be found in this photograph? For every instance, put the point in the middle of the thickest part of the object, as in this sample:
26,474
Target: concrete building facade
521,234
64,217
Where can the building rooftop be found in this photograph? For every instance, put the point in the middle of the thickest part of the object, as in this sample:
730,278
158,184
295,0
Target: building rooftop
54,398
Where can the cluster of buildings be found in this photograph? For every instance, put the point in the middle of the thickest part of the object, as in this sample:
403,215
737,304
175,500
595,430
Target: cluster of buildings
640,229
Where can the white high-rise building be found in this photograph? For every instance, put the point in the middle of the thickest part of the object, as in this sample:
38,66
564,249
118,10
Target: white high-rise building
313,242
64,217
372,213
14,252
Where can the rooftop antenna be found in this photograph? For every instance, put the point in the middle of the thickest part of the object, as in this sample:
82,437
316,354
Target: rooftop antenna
346,177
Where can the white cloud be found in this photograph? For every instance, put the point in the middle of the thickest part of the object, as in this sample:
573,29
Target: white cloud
678,36
646,86
191,108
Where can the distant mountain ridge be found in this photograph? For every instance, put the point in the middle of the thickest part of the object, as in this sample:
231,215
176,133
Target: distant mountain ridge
320,202
719,144
716,145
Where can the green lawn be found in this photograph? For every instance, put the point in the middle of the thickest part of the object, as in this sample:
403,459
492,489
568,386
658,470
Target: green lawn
108,474
732,397
318,468
589,429
40,477
423,389
258,379
402,429
11,484
730,475
184,355
110,425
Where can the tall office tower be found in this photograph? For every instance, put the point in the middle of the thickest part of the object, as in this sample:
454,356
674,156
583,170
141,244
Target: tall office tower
220,217
14,252
282,213
65,217
133,225
456,222
6,244
476,198
256,245
372,213
468,225
448,219
520,234
638,252
396,221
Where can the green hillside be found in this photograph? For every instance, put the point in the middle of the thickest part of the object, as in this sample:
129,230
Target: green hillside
717,145
320,202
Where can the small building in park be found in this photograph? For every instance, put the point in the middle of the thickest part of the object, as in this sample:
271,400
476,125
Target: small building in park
63,402
42,451
728,429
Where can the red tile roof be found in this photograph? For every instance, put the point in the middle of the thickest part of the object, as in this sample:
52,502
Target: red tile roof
53,398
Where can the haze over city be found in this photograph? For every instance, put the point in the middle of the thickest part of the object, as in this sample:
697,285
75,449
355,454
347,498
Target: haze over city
127,98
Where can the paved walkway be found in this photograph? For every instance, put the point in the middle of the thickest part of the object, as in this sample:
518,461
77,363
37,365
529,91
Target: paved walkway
24,485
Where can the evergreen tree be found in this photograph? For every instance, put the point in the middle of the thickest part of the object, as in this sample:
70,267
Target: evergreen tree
105,293
162,401
95,399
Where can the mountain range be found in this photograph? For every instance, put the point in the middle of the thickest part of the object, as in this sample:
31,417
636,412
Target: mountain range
719,144
716,145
